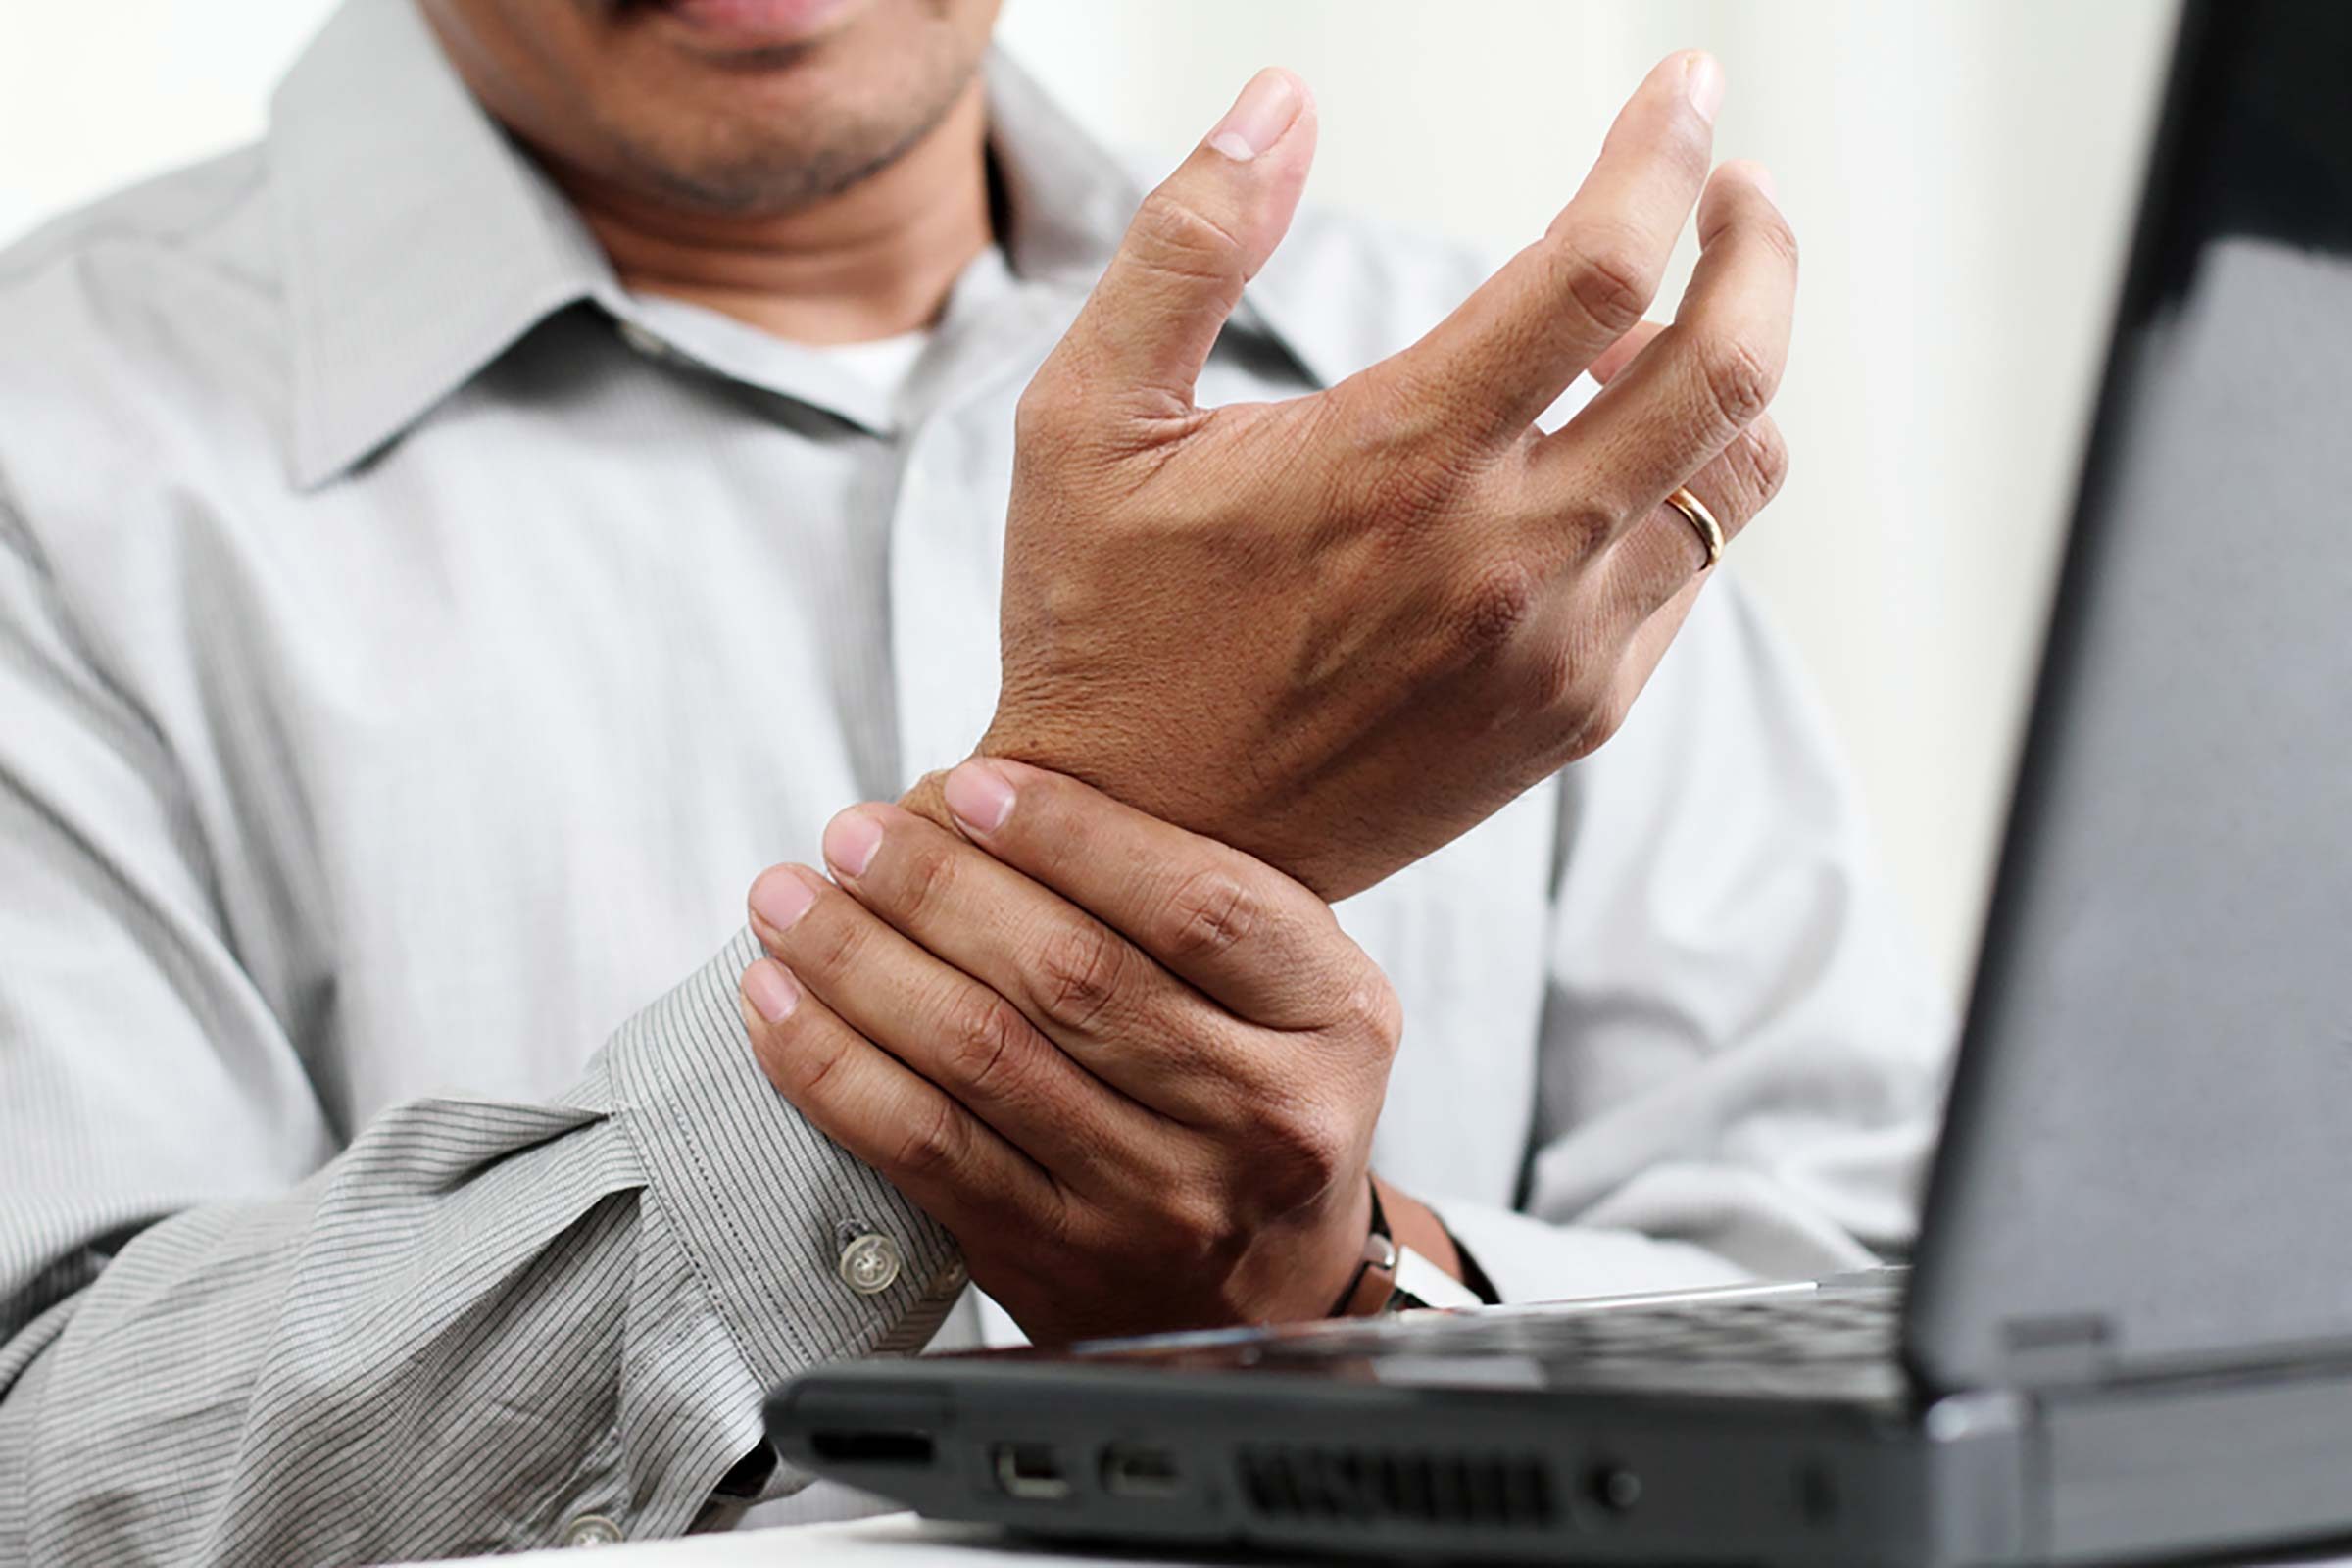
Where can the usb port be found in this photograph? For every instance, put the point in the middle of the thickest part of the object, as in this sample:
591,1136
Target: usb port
1130,1470
1030,1471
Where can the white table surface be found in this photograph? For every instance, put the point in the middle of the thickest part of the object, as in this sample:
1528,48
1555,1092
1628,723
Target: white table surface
893,1541
903,1541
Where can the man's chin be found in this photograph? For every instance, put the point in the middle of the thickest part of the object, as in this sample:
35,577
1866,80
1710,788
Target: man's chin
759,149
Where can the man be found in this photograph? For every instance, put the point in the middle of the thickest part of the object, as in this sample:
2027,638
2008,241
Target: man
452,547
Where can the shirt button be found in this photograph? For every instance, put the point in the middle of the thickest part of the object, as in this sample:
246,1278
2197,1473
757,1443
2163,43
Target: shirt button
592,1530
870,1264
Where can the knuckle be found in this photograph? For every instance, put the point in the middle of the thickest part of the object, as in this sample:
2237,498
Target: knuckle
1309,1143
1211,912
1500,600
1585,524
1080,970
1176,238
923,885
1764,454
808,1069
790,1064
982,1043
1195,1212
932,1143
1609,276
1776,236
836,936
1196,1223
1374,1012
1042,1244
1392,412
1736,380
1058,1227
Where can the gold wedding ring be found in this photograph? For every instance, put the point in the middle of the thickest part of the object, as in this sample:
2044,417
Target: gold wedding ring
1702,522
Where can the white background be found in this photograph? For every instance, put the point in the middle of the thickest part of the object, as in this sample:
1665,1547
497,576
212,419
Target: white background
1960,171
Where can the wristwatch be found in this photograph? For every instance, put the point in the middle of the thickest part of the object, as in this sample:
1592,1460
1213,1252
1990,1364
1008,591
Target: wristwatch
1405,1265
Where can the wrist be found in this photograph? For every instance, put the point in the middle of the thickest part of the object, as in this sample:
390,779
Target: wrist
1295,1264
1415,1225
1409,1259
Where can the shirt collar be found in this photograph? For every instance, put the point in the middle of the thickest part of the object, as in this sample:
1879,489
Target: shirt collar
421,244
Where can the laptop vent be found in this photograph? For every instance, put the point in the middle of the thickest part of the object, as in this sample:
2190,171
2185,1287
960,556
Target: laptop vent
1372,1485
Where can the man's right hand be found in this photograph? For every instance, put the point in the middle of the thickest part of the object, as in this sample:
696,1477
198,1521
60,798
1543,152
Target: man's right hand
1339,631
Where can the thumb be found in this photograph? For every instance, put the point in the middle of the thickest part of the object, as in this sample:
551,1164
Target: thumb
1194,242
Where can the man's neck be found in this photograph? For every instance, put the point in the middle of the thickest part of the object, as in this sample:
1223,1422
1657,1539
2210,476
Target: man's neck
873,262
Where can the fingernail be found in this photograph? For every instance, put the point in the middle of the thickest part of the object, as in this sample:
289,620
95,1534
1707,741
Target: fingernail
1259,116
779,898
770,991
851,840
1702,79
979,796
1770,186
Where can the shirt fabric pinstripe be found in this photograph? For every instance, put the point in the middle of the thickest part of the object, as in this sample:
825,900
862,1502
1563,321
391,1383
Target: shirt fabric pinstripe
402,675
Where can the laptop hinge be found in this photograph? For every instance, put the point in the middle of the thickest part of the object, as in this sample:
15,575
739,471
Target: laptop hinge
2050,1351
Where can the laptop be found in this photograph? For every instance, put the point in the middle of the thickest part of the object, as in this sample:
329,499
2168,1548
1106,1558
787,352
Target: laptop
2126,1332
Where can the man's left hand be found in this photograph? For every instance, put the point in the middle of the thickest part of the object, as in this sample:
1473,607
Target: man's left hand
1134,1071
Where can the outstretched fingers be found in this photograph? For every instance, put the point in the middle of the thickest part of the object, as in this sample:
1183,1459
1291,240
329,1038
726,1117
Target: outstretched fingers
1509,352
1696,386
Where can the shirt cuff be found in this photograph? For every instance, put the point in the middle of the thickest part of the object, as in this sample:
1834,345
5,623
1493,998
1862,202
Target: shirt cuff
1529,1259
806,1254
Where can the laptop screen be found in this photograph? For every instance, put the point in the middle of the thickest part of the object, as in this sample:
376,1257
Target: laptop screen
2148,1159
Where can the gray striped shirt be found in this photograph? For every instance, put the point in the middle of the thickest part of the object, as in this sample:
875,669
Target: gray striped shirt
410,647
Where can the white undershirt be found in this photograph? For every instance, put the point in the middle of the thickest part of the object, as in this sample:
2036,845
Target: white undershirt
882,363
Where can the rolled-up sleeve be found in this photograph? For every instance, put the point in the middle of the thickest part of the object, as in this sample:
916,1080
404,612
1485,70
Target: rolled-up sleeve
229,1334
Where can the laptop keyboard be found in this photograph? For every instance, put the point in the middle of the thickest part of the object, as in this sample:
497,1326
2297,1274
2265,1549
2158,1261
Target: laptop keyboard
1807,1326
1840,1345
